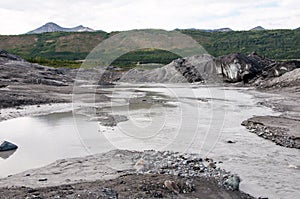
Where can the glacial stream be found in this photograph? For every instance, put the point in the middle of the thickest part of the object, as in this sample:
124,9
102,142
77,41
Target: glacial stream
194,119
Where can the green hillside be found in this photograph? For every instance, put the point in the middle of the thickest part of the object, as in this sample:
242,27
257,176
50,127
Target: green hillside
56,45
145,56
62,48
275,44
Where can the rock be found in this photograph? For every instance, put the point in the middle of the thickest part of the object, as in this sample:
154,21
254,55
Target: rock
139,165
3,85
288,79
237,67
292,166
172,186
211,165
158,194
7,146
105,83
30,190
230,142
110,193
5,55
278,129
233,182
189,186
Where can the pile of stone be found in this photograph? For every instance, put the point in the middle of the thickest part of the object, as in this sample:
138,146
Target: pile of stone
185,165
278,135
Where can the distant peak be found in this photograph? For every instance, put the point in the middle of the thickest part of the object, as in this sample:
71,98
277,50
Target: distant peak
53,27
257,28
51,24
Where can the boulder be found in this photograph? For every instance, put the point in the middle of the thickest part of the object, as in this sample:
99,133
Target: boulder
233,182
239,67
7,146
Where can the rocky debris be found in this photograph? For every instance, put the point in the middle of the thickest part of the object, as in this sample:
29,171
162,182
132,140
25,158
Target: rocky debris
105,83
7,146
109,75
21,72
276,131
162,175
110,193
285,79
24,83
198,68
187,70
186,165
166,74
237,67
233,182
171,186
129,186
4,55
16,98
258,71
107,119
279,68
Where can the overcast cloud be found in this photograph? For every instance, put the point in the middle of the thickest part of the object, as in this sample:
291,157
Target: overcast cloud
18,16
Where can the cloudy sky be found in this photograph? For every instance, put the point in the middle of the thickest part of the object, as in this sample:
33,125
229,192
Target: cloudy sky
19,16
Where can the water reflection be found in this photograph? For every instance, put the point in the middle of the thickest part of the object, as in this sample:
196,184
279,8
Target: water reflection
7,154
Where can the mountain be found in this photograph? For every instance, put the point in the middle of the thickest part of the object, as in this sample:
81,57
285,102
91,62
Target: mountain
77,45
297,28
209,30
53,27
257,28
222,30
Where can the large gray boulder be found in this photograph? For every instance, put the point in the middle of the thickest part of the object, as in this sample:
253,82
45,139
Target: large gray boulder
7,146
237,67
